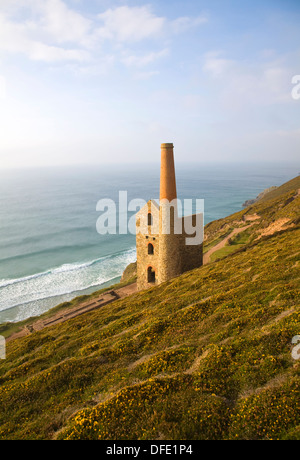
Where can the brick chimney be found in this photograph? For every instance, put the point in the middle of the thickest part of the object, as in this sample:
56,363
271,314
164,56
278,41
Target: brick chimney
169,240
167,173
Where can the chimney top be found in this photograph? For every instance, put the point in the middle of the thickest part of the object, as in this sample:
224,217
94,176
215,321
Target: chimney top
167,146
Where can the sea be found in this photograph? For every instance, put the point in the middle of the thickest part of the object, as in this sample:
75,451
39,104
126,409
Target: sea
50,248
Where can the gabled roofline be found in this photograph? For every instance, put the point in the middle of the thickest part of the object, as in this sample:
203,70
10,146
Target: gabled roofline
153,203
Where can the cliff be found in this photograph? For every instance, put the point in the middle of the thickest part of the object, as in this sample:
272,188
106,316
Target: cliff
129,273
207,355
259,197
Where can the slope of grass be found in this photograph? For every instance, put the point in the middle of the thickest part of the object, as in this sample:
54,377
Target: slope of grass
283,202
204,356
289,186
233,245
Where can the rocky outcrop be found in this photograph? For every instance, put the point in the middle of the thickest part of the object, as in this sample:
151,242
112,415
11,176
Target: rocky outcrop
129,272
259,197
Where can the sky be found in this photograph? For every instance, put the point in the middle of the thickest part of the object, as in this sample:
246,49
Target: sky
97,81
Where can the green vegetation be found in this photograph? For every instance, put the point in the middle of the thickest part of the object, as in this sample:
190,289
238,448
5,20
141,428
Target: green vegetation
129,274
214,241
204,356
237,242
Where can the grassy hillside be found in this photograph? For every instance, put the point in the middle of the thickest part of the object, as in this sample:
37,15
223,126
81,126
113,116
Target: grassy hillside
204,356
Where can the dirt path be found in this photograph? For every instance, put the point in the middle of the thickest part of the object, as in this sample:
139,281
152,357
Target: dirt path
279,224
207,256
80,309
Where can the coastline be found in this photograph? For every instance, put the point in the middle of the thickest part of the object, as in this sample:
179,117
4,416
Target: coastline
41,289
78,307
181,335
33,297
92,294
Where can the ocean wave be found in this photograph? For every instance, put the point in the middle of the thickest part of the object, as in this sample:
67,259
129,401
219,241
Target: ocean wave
5,283
24,304
33,295
64,268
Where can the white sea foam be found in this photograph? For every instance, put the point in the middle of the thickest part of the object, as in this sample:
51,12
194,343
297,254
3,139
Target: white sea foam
26,293
4,283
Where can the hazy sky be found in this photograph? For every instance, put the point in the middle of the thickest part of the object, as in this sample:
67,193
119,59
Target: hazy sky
96,81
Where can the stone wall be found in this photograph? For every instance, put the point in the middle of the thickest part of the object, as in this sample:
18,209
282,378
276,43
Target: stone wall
192,255
146,235
170,243
171,255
